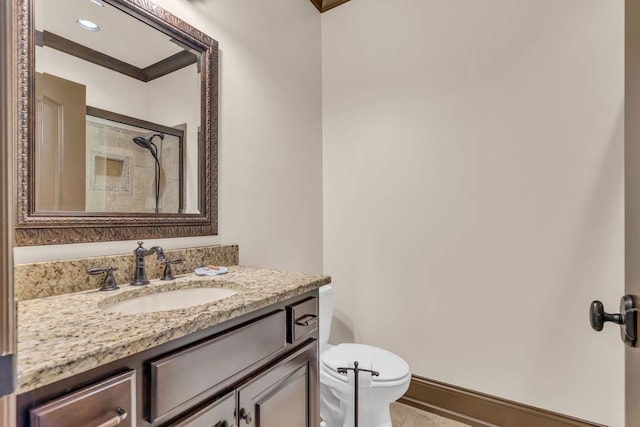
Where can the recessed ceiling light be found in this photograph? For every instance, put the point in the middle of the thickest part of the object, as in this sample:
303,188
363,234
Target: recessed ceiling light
87,25
98,2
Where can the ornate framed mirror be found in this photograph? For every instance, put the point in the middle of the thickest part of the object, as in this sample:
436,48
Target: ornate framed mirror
117,123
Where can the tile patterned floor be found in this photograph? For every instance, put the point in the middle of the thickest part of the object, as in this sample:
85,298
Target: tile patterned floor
408,416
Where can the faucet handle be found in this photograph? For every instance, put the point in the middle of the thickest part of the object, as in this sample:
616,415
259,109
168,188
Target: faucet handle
168,271
109,283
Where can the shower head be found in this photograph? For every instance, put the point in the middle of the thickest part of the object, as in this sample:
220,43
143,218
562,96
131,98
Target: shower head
146,142
153,149
141,141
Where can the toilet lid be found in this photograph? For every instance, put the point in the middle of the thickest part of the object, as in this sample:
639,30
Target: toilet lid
390,366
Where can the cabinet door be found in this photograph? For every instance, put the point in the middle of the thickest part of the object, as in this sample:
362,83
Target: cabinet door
280,397
220,413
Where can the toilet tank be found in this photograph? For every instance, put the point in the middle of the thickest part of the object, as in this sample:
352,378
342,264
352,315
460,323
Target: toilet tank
325,304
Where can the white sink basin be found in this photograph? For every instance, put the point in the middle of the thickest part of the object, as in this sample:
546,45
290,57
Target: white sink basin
170,300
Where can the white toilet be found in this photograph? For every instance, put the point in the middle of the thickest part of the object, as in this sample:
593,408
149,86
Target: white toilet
375,393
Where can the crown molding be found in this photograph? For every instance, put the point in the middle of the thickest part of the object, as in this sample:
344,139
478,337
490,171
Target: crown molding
324,5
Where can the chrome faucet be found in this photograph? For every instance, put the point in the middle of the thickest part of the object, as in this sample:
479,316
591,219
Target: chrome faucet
140,274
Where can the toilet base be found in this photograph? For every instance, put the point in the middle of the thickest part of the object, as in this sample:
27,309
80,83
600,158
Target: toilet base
375,417
331,411
337,413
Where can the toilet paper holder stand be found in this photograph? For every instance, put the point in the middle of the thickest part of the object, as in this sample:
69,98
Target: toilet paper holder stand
356,371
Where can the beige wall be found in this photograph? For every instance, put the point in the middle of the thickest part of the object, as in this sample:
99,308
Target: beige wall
105,88
270,185
473,191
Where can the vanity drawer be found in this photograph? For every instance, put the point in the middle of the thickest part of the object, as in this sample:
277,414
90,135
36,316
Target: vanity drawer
106,403
302,319
184,375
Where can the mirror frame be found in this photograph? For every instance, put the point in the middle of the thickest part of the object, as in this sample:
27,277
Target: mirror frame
42,228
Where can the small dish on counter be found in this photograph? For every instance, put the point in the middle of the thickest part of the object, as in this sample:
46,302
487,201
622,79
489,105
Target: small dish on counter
210,270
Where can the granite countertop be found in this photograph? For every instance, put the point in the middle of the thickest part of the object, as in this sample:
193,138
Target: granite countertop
64,335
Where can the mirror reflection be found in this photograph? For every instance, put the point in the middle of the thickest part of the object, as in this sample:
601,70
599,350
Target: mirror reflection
131,169
117,114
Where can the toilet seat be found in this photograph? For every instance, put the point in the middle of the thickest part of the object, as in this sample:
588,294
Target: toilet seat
392,368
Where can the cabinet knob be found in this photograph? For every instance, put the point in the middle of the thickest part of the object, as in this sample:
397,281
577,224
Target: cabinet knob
246,416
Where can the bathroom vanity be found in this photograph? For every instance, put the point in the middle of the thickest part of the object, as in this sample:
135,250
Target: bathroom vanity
236,361
248,359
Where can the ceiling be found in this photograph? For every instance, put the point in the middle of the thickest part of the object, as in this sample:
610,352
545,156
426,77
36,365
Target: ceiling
324,5
135,42
121,36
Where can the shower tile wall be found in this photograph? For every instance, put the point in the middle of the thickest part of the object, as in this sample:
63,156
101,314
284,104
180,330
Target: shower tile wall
120,174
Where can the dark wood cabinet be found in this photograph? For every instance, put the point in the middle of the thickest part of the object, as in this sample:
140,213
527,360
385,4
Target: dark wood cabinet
243,372
280,396
220,413
106,403
302,319
182,376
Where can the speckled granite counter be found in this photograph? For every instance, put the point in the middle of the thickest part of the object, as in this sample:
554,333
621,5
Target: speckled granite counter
46,279
64,335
